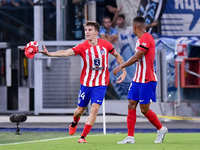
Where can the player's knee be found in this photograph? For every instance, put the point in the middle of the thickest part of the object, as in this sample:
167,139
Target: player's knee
95,108
132,104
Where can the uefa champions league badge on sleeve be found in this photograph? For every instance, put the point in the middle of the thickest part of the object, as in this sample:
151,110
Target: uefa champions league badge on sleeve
31,49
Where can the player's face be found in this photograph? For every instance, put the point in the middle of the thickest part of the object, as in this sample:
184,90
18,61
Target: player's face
121,22
90,32
107,23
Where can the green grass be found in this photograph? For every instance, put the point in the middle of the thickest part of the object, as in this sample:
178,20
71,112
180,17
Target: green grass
143,141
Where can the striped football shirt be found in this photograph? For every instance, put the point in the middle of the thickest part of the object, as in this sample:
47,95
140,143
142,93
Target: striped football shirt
144,67
95,70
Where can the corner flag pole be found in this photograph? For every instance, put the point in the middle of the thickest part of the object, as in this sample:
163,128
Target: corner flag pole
104,117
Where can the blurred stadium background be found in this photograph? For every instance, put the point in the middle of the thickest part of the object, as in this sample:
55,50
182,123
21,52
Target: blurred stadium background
49,86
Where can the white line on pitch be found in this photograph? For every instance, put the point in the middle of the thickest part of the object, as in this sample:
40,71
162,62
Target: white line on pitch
44,140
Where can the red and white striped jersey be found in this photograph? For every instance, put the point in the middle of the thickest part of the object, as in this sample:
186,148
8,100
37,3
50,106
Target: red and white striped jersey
95,70
144,67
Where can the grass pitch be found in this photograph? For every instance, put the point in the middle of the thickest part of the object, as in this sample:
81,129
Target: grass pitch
63,141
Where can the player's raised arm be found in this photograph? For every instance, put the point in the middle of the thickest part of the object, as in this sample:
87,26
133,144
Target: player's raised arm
60,53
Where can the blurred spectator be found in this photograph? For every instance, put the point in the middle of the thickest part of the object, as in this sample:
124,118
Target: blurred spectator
26,3
17,20
7,3
120,24
49,20
15,2
125,33
75,19
76,1
107,32
109,5
2,2
129,10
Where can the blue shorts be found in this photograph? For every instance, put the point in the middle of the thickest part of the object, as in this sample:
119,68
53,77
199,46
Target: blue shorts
142,92
96,94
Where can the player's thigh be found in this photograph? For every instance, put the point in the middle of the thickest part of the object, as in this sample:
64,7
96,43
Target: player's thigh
147,92
84,96
98,94
133,93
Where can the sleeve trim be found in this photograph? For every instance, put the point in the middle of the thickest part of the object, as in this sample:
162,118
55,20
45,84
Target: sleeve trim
143,47
111,50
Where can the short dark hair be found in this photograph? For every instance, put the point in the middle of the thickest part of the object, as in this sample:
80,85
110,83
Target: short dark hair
106,17
139,19
121,16
94,24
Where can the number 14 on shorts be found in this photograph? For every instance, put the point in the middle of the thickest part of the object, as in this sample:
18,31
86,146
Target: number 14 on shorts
81,95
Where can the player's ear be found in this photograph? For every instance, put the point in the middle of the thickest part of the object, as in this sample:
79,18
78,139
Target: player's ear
134,27
96,32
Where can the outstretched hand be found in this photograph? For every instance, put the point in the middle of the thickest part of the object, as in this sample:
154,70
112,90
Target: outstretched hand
122,76
44,51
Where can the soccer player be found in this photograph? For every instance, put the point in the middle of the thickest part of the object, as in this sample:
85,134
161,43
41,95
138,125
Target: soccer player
143,86
94,76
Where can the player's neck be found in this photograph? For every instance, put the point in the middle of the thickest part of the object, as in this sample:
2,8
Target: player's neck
93,42
140,34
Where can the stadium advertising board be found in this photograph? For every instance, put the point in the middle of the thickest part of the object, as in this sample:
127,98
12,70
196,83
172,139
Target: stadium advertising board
181,18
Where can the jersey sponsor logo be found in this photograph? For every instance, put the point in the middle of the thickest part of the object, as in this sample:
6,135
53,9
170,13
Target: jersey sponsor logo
98,101
98,68
97,62
141,101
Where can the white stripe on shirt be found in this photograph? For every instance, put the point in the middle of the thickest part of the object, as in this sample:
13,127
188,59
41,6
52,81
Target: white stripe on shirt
93,71
99,71
105,65
88,67
155,74
139,72
144,69
135,72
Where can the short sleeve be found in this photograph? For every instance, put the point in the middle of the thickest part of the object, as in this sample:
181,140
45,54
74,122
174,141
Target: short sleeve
77,49
111,49
145,42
